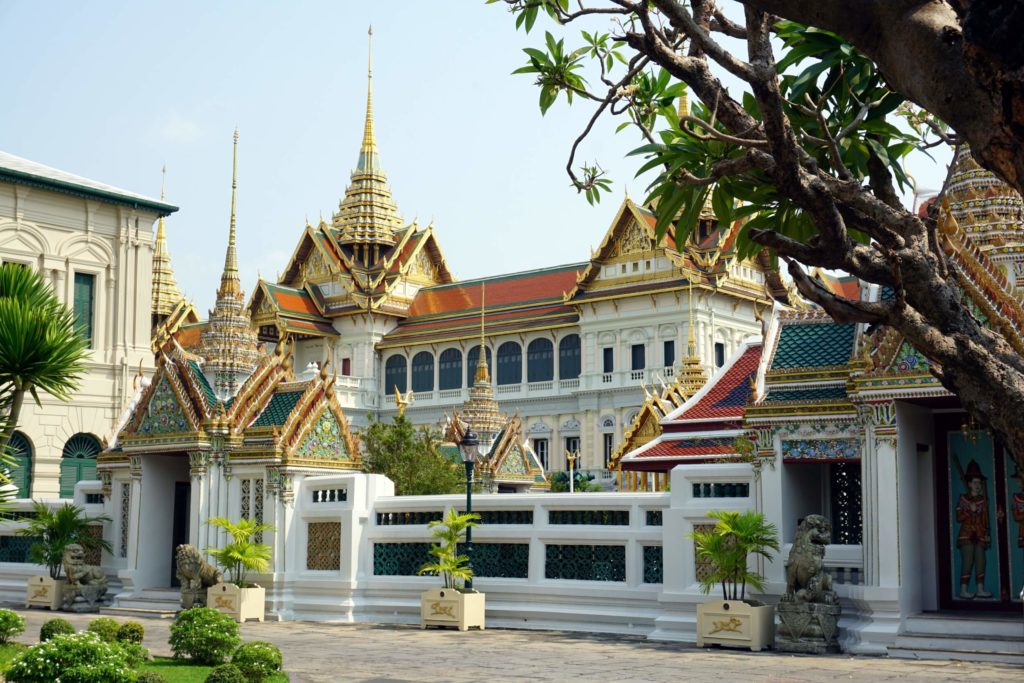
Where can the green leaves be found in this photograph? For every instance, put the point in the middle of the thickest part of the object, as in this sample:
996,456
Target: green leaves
410,458
243,554
448,532
56,530
735,536
557,70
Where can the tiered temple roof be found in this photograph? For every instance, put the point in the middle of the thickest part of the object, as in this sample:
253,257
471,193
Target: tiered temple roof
228,342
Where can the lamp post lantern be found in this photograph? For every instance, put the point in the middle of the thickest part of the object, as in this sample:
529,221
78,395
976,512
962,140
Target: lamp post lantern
469,446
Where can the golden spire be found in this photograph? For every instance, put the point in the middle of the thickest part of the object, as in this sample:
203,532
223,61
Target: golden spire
691,344
367,215
482,373
228,342
166,294
229,281
369,139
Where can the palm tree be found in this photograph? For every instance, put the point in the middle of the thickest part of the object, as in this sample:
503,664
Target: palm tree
735,536
56,530
452,567
40,347
242,554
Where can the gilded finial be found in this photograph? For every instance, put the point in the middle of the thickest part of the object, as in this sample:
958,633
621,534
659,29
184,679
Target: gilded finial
482,373
163,181
369,138
231,258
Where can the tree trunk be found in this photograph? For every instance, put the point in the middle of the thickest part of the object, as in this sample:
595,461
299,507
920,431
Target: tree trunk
17,401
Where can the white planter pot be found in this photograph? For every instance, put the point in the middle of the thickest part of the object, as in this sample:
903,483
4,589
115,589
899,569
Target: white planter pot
42,591
449,607
240,603
734,623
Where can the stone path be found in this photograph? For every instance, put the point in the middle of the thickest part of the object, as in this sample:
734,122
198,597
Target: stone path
361,653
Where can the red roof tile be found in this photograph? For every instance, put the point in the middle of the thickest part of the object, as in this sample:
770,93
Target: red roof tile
728,393
502,291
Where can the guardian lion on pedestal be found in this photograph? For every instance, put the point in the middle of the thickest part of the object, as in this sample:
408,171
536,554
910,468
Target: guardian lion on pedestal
195,575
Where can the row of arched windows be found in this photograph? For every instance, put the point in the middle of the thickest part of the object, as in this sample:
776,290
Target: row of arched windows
78,463
540,365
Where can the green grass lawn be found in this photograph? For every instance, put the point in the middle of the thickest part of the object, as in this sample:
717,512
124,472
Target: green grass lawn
9,651
179,671
174,670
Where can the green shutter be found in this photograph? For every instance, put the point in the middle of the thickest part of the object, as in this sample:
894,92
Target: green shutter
21,464
78,463
85,286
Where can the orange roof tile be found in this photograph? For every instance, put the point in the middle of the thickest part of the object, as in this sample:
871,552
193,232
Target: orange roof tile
502,291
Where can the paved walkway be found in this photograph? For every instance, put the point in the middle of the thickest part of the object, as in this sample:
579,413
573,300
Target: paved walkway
360,653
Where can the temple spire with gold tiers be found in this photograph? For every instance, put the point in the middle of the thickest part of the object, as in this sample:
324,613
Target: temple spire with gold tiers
481,412
228,343
166,294
367,219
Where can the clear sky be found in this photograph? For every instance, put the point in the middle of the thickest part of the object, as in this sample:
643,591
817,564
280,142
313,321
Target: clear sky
113,91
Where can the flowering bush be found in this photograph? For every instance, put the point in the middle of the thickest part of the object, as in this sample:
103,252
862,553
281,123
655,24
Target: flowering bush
258,660
105,627
134,654
55,627
130,632
11,624
204,635
226,673
73,658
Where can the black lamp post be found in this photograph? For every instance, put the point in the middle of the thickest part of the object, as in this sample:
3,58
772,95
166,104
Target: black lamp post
469,448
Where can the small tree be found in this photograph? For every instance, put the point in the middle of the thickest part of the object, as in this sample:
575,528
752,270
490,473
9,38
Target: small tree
40,347
410,458
448,563
56,530
243,554
735,537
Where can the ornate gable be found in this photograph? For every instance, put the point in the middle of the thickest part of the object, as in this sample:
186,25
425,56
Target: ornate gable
323,441
163,413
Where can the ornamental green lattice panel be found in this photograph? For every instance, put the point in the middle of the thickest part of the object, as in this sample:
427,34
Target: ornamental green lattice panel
501,560
585,562
399,559
653,565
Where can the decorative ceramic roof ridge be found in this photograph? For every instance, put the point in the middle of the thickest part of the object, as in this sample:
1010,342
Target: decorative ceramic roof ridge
747,346
813,314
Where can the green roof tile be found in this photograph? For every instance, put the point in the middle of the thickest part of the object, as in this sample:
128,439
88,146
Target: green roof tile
204,384
807,395
814,345
278,409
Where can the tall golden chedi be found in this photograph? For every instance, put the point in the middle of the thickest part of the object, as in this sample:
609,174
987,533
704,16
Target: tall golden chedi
367,218
166,294
228,344
481,412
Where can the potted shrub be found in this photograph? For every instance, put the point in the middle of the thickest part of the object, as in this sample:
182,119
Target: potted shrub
453,604
238,597
54,531
735,620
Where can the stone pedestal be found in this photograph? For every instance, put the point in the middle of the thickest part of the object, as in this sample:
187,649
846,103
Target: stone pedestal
193,598
807,627
88,598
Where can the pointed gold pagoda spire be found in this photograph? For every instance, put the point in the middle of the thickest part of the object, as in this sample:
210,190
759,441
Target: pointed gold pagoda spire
229,281
481,410
482,375
691,375
228,343
367,215
166,294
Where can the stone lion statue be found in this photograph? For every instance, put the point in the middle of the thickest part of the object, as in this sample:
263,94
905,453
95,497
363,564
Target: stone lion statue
78,572
806,580
195,575
87,583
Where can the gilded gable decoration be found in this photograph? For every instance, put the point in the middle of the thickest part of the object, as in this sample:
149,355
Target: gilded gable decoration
324,441
635,240
164,414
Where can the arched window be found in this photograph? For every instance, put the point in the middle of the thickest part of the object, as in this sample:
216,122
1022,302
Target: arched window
21,466
78,462
423,371
394,374
450,369
540,361
510,363
472,359
569,357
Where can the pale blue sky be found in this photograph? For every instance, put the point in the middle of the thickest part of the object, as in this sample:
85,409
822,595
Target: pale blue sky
112,91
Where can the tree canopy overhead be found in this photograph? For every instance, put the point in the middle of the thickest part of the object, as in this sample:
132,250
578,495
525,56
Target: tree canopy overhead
834,97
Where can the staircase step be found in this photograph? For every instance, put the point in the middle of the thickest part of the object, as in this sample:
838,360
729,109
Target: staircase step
139,612
939,625
961,655
967,643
